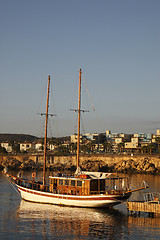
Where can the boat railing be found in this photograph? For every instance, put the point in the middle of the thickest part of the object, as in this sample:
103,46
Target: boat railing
97,192
30,184
106,192
152,197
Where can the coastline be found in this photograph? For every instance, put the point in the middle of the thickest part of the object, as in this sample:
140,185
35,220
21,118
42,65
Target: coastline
148,164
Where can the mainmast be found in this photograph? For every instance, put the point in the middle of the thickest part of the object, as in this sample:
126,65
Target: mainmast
79,116
45,139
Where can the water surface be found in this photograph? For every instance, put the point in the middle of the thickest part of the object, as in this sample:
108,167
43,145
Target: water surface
24,220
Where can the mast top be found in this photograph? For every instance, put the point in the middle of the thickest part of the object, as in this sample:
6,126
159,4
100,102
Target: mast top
46,125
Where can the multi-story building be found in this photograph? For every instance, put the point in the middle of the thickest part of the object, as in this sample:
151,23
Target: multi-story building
139,140
27,146
38,146
132,144
74,138
157,135
117,138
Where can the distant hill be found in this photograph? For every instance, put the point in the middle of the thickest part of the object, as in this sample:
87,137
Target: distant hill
17,137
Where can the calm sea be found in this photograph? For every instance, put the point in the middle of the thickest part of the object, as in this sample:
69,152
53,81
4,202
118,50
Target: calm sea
23,220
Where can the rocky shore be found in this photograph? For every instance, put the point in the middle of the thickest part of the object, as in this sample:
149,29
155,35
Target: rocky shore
138,165
12,163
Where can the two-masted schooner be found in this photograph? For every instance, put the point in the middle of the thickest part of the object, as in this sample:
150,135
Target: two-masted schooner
83,189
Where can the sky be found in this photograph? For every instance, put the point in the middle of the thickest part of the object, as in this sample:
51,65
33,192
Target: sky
115,43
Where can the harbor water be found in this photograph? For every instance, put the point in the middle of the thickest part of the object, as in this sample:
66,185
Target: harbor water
24,220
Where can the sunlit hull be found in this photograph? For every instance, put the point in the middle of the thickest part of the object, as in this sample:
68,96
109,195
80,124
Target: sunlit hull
93,201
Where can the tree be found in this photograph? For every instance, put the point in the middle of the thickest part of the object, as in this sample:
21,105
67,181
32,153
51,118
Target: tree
151,148
101,138
62,150
15,147
144,149
158,142
73,148
2,150
107,146
120,146
91,145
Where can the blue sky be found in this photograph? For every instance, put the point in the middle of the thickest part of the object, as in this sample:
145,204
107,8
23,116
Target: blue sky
117,45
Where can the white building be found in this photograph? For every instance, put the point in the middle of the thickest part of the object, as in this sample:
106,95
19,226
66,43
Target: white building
131,145
7,146
38,146
74,138
118,140
27,146
51,147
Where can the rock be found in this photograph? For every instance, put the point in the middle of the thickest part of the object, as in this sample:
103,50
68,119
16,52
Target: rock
28,164
142,166
12,164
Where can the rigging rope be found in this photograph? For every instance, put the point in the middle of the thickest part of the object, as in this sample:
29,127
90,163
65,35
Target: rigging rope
13,186
83,129
88,93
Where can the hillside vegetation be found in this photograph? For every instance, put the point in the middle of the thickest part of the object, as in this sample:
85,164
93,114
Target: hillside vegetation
17,137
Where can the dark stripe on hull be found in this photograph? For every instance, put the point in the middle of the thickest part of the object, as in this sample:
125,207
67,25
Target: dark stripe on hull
114,197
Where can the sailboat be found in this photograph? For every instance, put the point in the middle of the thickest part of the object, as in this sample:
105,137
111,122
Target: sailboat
83,189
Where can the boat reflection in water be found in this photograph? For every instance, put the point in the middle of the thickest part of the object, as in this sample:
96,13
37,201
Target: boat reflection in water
144,225
68,222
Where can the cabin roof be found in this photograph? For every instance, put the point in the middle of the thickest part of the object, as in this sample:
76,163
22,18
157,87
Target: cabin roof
82,179
68,178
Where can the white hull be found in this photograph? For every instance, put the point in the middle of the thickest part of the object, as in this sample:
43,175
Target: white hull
99,201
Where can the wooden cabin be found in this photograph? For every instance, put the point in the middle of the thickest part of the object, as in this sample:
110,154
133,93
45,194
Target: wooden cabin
85,185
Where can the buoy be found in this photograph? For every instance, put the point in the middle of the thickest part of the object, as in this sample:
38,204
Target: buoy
33,175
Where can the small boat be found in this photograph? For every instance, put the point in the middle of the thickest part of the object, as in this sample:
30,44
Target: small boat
83,189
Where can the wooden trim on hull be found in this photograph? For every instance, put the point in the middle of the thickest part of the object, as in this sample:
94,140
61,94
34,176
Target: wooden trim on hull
68,200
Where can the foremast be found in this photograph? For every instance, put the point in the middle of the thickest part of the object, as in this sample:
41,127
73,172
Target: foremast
46,126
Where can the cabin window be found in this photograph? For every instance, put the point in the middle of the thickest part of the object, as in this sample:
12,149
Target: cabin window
60,181
102,185
55,182
67,182
79,183
94,185
73,182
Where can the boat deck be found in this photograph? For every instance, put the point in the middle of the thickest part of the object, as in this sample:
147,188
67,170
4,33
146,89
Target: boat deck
37,185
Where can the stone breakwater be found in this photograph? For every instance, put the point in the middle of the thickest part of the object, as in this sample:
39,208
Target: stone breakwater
108,163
